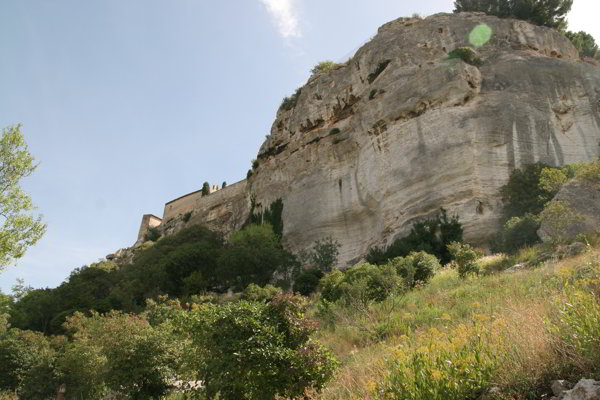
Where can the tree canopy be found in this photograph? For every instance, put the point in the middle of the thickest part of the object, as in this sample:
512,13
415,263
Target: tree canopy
19,228
551,13
584,42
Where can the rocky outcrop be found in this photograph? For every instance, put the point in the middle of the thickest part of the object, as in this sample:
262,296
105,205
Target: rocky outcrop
582,196
586,389
400,130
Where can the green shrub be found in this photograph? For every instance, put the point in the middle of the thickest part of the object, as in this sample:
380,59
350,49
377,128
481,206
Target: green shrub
118,353
495,263
589,171
187,216
466,54
465,258
289,103
523,193
249,174
252,256
556,217
518,232
441,369
308,281
576,326
255,164
361,284
271,215
431,236
253,292
552,179
372,94
324,67
416,267
265,347
365,283
153,234
27,365
329,285
324,254
334,131
584,42
205,189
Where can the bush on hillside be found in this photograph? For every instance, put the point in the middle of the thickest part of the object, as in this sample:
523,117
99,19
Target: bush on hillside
193,261
253,292
252,256
324,67
465,258
120,354
153,234
289,103
27,360
431,236
523,193
323,255
266,347
329,285
589,171
518,232
416,267
308,281
361,284
556,217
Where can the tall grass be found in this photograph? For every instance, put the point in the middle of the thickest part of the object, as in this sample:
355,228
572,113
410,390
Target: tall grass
456,338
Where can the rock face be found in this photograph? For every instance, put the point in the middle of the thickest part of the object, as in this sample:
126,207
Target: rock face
586,389
400,130
583,197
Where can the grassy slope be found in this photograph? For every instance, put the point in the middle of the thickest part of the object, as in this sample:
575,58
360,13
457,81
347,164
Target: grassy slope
513,315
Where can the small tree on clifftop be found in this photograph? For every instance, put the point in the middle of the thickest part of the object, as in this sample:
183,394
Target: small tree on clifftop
205,189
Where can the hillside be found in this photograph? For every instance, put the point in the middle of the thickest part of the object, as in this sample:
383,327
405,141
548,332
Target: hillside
516,330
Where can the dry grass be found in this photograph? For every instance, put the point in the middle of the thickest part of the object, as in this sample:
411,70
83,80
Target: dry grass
513,307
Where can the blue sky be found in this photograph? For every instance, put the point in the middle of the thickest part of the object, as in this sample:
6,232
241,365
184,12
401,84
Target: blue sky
127,104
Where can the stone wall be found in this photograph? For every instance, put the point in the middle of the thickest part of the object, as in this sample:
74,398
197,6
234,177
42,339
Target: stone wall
148,221
224,210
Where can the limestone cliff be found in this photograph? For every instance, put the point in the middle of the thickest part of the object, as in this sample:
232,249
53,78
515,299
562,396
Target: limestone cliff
400,130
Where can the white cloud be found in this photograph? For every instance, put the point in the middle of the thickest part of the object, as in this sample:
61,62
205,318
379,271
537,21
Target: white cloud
285,16
583,17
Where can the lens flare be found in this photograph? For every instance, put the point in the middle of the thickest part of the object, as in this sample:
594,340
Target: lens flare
480,35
